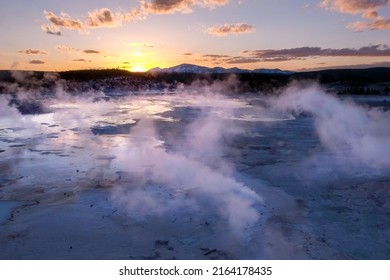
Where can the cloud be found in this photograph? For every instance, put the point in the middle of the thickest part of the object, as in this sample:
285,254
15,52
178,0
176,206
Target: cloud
215,58
98,18
231,29
366,8
133,15
380,23
354,66
355,6
81,60
140,44
300,53
241,60
36,62
305,52
91,52
167,7
214,3
71,50
32,51
102,18
52,30
64,21
173,6
67,49
215,55
371,15
160,7
286,53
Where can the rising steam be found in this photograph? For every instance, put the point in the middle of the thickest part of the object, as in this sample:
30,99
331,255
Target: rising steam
192,180
357,135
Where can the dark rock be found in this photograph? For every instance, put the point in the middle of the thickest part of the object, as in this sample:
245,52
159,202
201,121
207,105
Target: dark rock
112,129
210,252
161,243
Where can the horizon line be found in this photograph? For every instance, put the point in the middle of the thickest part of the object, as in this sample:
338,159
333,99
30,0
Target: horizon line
344,67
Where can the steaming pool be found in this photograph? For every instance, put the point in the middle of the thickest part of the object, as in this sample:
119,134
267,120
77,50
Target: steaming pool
181,176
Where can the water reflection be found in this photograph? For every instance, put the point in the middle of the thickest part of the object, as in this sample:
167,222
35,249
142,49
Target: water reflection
79,139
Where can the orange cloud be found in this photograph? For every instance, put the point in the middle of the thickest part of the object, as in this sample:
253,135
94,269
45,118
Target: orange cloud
91,52
52,30
102,18
36,62
32,51
366,8
64,21
67,49
231,29
355,6
167,7
370,15
214,3
173,6
379,23
71,50
81,60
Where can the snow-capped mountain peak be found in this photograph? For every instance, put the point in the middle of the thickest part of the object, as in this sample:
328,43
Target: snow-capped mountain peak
196,69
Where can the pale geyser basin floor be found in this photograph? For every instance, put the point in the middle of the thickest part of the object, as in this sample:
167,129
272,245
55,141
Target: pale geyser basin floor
56,197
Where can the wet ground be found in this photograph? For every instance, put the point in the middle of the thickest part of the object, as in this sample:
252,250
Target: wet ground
122,179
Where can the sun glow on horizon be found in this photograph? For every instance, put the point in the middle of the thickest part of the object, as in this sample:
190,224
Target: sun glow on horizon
138,68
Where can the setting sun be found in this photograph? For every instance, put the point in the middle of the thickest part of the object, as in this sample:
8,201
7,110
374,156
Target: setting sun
138,68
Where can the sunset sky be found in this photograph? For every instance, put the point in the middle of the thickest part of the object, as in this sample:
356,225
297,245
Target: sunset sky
139,35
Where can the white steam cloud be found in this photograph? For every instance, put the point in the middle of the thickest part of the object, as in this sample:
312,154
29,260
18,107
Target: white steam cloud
357,135
193,180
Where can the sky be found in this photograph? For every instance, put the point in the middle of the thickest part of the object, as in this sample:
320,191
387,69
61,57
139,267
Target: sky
142,34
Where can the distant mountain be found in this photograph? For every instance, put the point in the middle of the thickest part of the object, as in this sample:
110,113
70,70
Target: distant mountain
196,69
